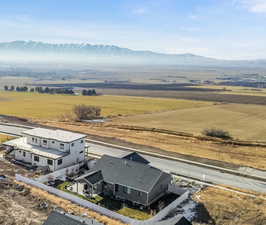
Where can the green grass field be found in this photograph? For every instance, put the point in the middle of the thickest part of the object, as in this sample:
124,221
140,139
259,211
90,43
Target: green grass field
44,106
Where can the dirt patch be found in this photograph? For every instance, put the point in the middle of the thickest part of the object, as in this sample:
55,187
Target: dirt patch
19,207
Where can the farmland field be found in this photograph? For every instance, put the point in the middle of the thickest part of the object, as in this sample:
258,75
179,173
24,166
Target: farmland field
240,97
44,106
4,138
241,120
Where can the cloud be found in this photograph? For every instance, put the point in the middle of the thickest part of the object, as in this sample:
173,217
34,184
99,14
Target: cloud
255,6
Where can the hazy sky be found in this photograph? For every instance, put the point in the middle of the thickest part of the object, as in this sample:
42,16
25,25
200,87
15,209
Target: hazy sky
217,28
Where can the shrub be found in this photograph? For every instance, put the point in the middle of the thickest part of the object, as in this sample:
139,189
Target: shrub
218,133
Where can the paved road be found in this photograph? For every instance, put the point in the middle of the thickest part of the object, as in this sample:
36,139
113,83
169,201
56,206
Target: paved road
11,130
180,168
188,170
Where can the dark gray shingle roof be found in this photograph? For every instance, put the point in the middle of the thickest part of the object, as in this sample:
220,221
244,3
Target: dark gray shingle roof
56,218
94,177
128,173
134,156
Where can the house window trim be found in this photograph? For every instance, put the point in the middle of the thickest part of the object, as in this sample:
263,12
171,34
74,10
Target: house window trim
36,157
51,162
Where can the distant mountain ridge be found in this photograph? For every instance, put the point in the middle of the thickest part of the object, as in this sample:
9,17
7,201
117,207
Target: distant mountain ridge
40,50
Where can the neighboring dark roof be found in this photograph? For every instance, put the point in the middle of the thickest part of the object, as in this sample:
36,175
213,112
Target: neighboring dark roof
56,218
177,220
94,177
128,173
134,156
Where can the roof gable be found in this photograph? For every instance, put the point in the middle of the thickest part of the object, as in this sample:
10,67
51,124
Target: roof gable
94,177
134,156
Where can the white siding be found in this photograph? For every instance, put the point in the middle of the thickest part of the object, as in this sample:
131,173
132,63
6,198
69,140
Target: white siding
43,162
78,187
75,150
19,155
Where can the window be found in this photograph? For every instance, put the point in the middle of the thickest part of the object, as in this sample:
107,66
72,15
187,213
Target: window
62,146
33,139
124,189
19,151
44,142
139,193
50,162
72,144
36,158
52,142
59,162
24,154
81,152
128,191
81,141
116,187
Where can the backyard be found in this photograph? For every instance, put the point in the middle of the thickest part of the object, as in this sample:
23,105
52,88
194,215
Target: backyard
117,206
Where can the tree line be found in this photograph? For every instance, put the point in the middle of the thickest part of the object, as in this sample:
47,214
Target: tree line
48,90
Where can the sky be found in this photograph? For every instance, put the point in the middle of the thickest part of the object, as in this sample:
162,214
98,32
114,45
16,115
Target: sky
225,29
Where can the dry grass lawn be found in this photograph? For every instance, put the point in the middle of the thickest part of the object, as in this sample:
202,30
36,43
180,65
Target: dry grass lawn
228,208
44,106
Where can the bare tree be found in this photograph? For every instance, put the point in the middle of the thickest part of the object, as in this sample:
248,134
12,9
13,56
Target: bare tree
84,112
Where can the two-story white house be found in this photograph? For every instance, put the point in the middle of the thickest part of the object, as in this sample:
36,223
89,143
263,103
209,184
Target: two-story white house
54,149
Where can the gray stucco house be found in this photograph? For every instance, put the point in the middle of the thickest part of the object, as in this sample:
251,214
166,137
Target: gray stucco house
129,179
